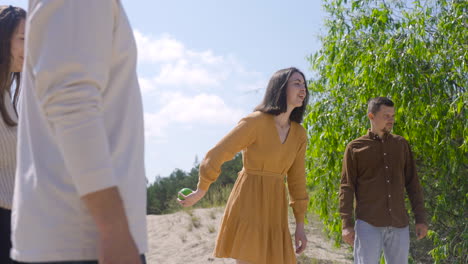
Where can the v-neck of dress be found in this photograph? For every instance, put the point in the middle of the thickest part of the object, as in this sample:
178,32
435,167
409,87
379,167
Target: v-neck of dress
277,132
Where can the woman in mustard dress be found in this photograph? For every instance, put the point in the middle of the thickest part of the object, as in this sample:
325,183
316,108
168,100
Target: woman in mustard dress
254,228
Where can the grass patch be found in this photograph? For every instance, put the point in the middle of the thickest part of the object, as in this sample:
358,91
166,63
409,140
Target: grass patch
215,197
212,214
303,259
183,237
195,221
211,229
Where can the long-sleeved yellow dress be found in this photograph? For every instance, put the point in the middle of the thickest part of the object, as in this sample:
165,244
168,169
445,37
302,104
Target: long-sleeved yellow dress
255,222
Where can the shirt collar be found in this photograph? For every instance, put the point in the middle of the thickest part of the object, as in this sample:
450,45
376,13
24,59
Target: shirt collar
374,136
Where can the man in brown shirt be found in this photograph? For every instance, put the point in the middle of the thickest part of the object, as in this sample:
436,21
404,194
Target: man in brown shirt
377,168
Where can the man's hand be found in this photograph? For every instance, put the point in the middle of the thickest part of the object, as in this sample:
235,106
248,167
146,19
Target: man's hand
116,244
348,235
300,238
192,198
118,248
421,231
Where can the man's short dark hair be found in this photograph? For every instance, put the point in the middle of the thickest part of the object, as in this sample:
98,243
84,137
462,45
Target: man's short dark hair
375,103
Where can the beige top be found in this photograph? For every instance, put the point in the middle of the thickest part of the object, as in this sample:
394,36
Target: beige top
8,137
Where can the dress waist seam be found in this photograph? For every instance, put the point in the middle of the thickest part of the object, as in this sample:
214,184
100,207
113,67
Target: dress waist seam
262,173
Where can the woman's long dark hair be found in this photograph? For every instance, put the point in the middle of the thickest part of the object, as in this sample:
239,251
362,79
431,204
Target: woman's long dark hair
10,18
275,100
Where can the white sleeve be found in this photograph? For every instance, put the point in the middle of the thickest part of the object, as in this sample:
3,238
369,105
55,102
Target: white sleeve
69,48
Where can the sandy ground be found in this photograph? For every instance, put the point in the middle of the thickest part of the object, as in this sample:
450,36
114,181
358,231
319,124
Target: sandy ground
189,236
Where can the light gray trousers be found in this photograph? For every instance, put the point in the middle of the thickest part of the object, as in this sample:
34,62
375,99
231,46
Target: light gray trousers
370,240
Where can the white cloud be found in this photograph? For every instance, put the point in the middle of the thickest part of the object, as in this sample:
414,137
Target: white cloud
155,126
183,72
199,110
203,108
163,49
206,57
176,65
187,89
146,85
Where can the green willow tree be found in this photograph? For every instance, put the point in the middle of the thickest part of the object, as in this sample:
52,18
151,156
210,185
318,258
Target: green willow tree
416,54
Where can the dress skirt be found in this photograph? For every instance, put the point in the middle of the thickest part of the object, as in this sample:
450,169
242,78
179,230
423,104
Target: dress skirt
255,225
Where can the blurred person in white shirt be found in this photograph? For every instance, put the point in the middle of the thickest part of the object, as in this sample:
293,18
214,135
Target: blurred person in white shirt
80,190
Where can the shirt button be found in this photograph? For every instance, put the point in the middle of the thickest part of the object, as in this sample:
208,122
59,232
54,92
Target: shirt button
388,181
389,195
386,167
390,209
385,154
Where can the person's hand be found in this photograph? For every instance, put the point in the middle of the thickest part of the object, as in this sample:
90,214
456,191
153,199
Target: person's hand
192,198
348,235
300,238
118,248
421,231
115,241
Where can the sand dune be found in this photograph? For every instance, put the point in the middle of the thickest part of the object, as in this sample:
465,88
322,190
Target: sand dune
189,236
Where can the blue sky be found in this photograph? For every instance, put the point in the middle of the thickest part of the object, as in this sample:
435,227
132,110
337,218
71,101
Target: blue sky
205,64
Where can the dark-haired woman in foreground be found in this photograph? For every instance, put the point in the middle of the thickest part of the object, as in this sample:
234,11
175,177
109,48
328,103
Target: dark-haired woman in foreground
254,228
12,21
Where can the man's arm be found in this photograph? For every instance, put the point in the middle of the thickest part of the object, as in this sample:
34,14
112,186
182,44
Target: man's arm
415,192
106,208
347,188
69,48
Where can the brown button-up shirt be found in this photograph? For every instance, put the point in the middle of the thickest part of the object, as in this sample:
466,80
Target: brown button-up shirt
377,171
